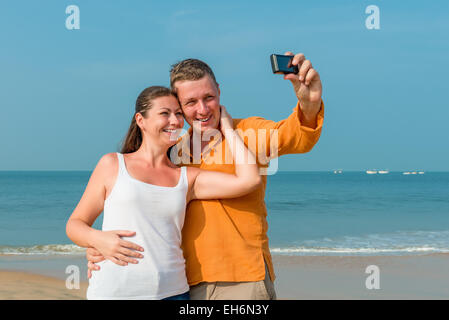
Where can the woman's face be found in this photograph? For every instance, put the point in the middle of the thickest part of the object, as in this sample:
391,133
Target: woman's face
163,122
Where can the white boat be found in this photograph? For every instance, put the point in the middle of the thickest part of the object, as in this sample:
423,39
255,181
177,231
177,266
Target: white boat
371,171
338,171
413,172
383,171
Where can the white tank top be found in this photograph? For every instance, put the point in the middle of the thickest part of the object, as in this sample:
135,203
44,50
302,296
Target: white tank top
156,214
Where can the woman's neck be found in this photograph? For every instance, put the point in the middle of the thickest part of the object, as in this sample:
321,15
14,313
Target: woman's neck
155,155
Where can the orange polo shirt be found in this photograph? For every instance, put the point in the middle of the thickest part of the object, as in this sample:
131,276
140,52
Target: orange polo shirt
226,240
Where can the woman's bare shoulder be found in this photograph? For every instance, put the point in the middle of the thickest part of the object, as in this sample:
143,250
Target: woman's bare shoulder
192,173
107,166
108,160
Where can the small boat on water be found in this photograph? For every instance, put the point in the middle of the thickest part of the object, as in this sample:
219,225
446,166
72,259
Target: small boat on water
383,171
338,171
413,172
371,171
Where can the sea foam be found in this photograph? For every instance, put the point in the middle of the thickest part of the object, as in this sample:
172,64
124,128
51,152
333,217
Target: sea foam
44,249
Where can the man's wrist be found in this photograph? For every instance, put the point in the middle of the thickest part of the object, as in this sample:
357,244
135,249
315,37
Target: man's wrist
307,117
309,122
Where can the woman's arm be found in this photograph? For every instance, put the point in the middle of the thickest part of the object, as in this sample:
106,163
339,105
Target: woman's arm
219,185
79,226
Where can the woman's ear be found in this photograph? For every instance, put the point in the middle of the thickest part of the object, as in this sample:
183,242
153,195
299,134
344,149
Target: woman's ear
139,120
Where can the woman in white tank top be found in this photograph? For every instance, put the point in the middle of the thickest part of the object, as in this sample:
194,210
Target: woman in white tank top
143,196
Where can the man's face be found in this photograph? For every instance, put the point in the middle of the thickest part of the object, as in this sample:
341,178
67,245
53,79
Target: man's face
200,101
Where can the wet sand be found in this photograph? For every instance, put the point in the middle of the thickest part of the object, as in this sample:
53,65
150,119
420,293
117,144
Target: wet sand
16,285
325,277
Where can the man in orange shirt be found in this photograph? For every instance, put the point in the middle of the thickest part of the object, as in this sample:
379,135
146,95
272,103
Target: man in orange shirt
225,242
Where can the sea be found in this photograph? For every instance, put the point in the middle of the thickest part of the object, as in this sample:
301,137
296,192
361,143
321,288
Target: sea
309,213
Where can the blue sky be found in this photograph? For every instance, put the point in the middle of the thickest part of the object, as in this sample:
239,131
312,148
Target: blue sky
67,97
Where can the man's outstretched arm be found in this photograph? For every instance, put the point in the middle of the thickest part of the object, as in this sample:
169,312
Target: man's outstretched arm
302,129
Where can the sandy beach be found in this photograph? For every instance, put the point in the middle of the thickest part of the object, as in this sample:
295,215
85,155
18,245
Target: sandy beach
16,285
332,277
298,277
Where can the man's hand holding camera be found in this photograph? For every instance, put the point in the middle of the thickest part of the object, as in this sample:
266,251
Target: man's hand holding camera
308,88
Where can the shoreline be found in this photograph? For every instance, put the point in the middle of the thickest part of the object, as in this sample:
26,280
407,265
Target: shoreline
297,277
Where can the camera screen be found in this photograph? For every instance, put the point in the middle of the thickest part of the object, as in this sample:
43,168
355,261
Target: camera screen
285,63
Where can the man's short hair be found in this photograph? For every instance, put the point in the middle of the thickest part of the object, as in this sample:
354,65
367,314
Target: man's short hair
191,70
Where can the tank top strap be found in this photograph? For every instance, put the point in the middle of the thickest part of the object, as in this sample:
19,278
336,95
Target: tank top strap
184,180
121,164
